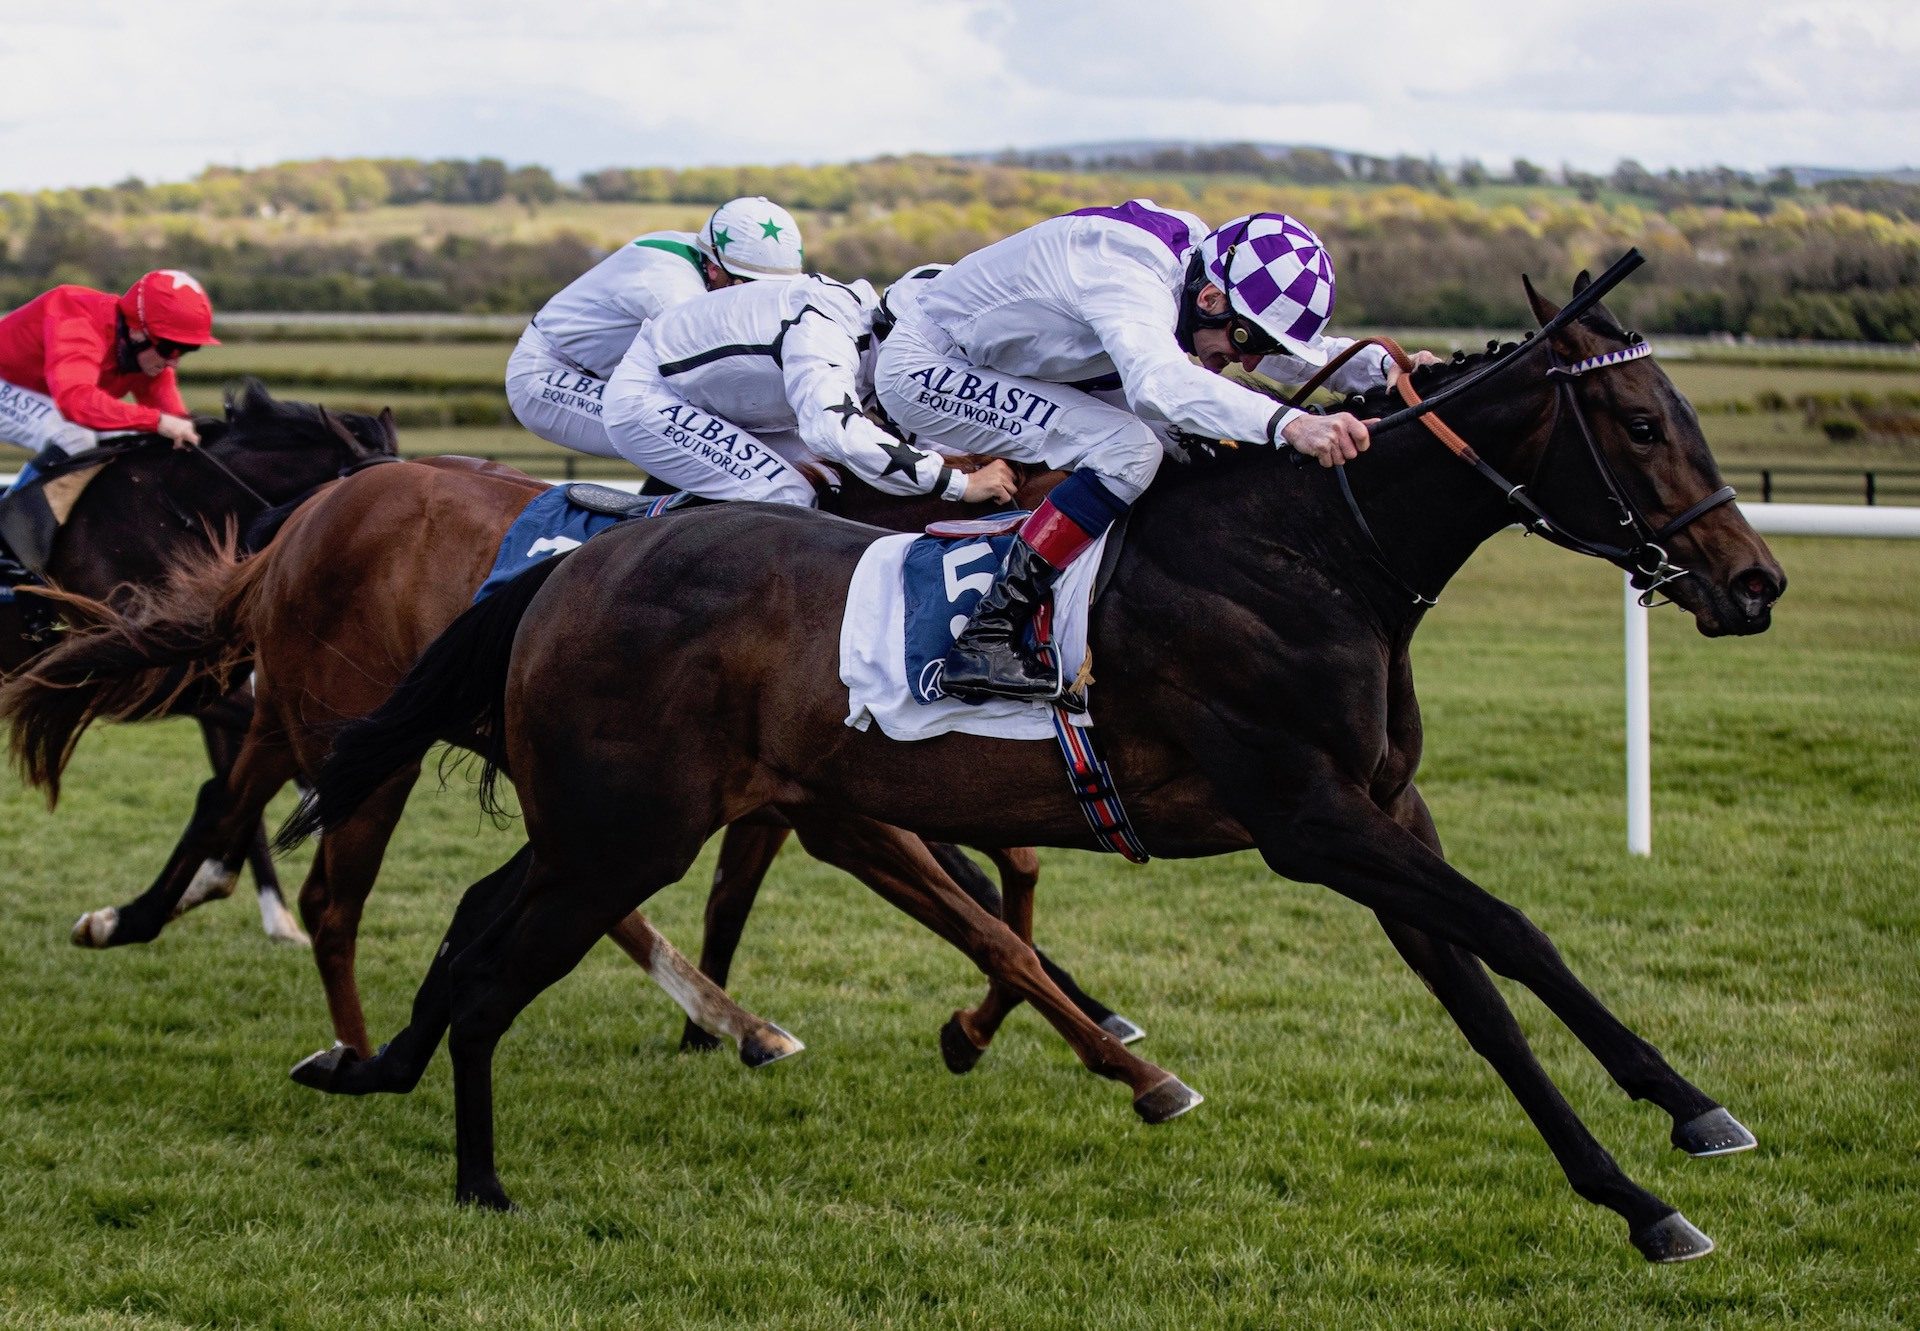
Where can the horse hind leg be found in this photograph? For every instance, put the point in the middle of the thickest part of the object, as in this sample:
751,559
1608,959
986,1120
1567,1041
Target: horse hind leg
558,916
221,729
335,892
898,866
967,1036
397,1066
706,1004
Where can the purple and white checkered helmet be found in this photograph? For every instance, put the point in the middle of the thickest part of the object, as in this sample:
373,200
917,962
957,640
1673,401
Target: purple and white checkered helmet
1277,276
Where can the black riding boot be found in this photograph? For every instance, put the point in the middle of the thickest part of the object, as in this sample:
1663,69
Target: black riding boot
990,658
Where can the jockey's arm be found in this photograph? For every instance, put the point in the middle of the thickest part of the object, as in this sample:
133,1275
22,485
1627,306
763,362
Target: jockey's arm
818,359
76,349
1134,320
162,392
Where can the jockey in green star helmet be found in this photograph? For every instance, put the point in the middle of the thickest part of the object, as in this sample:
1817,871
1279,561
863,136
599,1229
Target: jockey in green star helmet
752,238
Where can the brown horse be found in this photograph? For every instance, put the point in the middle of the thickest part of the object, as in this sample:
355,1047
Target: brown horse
152,505
354,584
1255,690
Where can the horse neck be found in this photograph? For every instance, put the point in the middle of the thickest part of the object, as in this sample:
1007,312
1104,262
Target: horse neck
1431,510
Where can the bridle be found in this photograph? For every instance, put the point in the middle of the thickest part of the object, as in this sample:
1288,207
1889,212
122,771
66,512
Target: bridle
1642,551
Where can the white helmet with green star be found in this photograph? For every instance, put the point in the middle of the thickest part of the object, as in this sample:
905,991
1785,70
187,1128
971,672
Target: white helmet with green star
752,238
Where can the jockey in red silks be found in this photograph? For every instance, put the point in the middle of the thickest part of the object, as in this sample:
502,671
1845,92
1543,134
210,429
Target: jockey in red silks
68,357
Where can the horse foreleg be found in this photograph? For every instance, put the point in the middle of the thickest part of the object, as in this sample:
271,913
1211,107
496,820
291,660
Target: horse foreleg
706,1004
898,866
335,892
747,851
1461,984
1337,836
204,862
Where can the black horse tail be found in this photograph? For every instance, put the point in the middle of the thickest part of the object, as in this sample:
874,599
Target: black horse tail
456,691
165,651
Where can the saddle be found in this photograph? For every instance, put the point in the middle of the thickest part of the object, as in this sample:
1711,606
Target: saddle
32,513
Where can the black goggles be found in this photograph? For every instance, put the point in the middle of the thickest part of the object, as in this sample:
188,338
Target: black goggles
170,349
1248,338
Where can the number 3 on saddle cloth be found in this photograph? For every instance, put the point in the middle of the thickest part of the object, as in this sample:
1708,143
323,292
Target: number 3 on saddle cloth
909,598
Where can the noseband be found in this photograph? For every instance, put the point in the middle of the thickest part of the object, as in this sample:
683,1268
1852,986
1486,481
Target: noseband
1643,552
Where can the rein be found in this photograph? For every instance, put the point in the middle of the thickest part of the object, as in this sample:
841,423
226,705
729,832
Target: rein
1646,557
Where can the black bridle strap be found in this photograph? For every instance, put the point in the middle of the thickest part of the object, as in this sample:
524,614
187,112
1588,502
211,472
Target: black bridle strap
228,472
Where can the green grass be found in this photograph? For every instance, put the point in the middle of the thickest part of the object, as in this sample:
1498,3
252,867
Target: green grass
1354,1166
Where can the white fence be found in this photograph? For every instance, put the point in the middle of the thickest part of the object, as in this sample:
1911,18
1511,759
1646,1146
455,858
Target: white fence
1773,520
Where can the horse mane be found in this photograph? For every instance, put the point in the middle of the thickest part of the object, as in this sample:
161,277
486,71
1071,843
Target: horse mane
257,419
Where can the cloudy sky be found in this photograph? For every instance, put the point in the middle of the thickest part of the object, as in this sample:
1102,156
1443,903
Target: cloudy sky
94,90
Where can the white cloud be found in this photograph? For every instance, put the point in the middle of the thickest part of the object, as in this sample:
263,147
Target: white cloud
168,89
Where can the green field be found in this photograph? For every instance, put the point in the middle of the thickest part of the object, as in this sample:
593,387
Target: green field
1354,1165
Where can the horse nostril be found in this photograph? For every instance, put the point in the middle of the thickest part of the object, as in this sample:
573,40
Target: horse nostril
1759,586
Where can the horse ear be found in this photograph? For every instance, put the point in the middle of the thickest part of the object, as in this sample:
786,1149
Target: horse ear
1582,282
1543,309
346,436
388,431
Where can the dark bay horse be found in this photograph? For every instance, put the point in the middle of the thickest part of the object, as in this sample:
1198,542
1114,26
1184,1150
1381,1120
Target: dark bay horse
354,585
1254,690
154,504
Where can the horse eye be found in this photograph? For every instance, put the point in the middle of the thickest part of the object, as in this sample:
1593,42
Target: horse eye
1642,431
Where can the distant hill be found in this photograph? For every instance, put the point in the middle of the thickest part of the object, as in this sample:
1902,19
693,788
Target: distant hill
1806,176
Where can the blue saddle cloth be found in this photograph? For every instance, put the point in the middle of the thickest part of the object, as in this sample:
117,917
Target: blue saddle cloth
557,521
943,579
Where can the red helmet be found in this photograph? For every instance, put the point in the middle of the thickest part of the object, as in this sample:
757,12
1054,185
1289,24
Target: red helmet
170,304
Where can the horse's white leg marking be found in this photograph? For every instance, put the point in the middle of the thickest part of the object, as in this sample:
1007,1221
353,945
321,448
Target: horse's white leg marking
278,921
699,997
212,881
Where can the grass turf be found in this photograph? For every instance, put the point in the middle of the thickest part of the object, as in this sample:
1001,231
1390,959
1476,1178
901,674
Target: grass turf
1354,1166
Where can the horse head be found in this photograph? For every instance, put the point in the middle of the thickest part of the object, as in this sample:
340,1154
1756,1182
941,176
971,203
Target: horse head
1645,477
283,449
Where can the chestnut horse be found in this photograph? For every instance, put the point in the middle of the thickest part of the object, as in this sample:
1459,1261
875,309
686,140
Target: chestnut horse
355,583
1255,691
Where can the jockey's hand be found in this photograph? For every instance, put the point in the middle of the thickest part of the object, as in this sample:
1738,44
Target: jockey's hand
992,484
1418,358
179,429
1329,440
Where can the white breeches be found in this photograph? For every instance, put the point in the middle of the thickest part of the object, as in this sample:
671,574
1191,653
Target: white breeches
656,429
31,421
553,399
940,400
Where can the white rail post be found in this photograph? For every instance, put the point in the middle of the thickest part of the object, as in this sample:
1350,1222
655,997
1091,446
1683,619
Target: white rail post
1639,727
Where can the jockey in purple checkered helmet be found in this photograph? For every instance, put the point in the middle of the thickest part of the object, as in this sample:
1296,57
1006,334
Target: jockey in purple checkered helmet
1278,283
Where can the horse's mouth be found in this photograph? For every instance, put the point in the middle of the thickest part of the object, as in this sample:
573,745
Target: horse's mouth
1743,606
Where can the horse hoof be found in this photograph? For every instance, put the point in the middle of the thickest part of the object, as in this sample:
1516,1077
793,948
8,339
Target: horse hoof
95,928
694,1040
1170,1099
488,1196
956,1050
1672,1239
1121,1029
768,1044
279,923
321,1071
1715,1132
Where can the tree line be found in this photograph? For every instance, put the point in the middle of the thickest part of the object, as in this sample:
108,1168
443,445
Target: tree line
1730,254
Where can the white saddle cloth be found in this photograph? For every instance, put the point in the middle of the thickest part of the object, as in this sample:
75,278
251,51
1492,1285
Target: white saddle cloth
873,654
